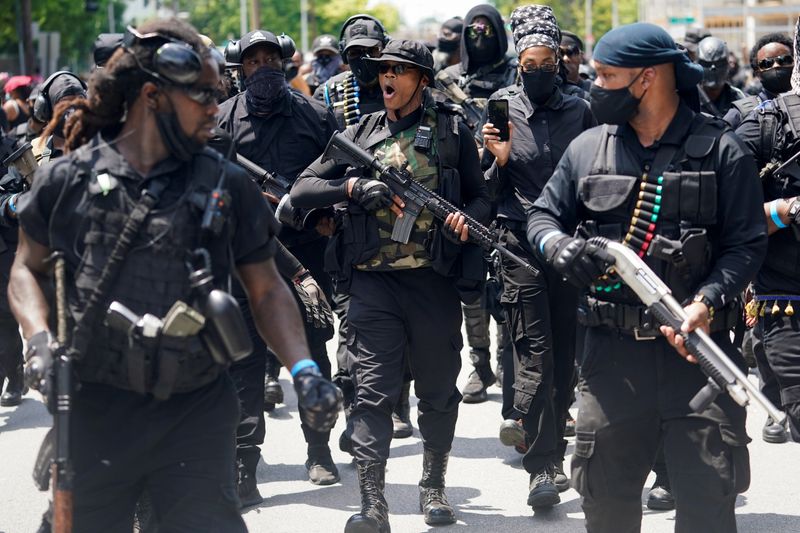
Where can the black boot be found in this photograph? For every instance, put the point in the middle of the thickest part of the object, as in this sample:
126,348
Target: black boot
273,393
432,500
320,466
15,389
660,496
374,515
246,485
773,432
542,490
481,378
401,417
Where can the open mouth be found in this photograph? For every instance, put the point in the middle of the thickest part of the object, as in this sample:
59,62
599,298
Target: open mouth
388,92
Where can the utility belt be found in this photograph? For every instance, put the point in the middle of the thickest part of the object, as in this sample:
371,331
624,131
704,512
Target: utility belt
773,304
637,321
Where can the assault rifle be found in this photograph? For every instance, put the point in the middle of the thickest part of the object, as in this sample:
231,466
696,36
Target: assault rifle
723,374
775,167
278,186
415,196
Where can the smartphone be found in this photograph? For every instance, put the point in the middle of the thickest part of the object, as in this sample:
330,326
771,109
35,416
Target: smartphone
497,113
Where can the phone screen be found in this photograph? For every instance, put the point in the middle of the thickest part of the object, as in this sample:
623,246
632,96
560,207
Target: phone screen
498,115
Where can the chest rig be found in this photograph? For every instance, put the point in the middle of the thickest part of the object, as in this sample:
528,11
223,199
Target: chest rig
151,278
665,214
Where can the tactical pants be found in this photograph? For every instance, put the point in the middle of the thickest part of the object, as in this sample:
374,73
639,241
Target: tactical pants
414,312
10,347
780,338
249,373
541,318
181,451
635,395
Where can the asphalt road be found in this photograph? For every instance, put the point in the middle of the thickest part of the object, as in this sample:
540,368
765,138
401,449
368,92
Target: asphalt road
486,482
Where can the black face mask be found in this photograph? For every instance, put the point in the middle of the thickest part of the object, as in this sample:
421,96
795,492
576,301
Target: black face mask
363,72
266,89
538,85
177,142
777,80
614,106
482,50
448,47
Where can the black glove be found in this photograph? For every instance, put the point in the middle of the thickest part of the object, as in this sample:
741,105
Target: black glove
450,234
319,399
371,194
318,310
39,363
579,262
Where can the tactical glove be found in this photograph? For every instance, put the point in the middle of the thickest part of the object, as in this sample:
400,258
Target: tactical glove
317,309
371,194
578,261
39,363
319,399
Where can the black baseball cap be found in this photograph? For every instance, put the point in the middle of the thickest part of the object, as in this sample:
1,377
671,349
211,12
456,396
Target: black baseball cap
363,32
255,38
407,51
104,47
325,42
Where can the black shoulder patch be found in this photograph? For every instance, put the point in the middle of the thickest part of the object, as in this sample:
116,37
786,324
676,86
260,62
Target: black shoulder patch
699,146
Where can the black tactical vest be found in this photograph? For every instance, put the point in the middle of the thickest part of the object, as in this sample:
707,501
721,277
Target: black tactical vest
153,276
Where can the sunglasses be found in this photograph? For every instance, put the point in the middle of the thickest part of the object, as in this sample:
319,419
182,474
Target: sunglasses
781,61
569,51
398,69
479,28
175,61
530,69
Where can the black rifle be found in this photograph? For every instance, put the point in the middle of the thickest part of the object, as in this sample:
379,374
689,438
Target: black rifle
279,186
61,469
415,196
723,374
775,167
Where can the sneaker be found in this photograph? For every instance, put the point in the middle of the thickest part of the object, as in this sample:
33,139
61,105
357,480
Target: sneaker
560,478
512,434
542,491
475,389
247,488
273,393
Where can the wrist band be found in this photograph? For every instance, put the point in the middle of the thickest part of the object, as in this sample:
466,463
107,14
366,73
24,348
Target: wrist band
773,213
546,238
303,363
12,202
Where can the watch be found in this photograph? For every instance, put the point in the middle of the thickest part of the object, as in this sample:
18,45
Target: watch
703,299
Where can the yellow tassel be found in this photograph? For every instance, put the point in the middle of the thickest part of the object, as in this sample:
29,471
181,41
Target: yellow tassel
763,309
789,311
775,308
751,308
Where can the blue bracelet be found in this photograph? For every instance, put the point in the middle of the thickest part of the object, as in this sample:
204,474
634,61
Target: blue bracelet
773,213
546,238
303,363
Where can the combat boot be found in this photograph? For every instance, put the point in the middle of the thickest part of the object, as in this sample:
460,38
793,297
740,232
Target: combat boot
320,466
374,515
246,486
660,496
773,432
479,379
560,478
432,500
401,417
273,393
15,389
542,490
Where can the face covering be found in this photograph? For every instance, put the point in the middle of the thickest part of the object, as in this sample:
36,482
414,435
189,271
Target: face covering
266,88
715,75
777,80
482,50
326,66
177,142
538,85
362,71
448,47
614,106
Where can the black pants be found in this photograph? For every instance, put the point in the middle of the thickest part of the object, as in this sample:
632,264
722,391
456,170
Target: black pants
415,312
780,340
181,451
249,373
634,395
10,347
541,318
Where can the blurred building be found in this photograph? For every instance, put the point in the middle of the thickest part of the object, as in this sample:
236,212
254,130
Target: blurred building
739,22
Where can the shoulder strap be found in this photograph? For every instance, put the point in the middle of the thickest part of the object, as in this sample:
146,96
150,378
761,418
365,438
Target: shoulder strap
449,140
789,105
606,155
746,105
368,134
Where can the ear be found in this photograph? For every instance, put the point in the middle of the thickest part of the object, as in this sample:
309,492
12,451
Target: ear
150,92
648,77
425,80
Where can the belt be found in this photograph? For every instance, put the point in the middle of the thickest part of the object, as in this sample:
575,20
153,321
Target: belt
760,304
636,320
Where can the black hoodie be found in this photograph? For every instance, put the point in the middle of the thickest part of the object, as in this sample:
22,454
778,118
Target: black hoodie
496,20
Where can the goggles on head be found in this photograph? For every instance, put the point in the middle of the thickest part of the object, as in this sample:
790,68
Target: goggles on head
175,61
476,29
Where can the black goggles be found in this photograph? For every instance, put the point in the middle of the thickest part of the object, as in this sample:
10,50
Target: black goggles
175,61
781,61
398,68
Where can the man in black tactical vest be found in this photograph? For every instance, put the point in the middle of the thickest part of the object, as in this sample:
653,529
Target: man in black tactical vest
540,307
152,226
404,300
679,189
355,93
772,63
282,131
772,133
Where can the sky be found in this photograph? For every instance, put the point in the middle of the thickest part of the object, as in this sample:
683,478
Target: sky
414,11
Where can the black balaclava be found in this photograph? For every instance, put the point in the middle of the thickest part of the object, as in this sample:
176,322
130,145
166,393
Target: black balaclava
499,46
266,88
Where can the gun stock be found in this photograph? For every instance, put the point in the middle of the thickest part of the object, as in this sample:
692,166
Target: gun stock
722,373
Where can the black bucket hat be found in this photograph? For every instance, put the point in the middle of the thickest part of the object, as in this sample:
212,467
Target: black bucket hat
406,51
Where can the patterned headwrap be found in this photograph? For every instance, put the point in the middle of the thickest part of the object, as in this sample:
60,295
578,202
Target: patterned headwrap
796,71
535,25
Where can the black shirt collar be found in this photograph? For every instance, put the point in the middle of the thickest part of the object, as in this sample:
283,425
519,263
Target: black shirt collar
676,131
397,126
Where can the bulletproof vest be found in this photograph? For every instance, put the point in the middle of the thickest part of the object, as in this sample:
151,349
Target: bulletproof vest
746,105
153,276
675,198
780,133
399,152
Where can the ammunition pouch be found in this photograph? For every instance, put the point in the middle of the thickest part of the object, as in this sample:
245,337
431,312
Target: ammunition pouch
690,197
